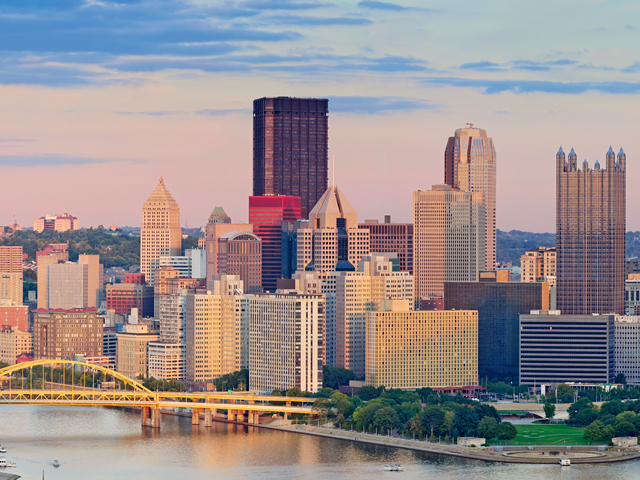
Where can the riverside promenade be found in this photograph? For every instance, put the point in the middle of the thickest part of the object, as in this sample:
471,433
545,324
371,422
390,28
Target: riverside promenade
507,454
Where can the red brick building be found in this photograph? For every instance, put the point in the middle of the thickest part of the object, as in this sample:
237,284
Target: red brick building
14,316
122,297
240,253
59,333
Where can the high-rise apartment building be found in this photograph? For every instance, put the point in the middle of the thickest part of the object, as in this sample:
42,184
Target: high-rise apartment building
590,234
219,224
240,253
449,238
408,350
267,214
286,341
470,165
95,279
56,223
59,333
332,241
160,234
167,356
11,274
216,330
538,265
390,237
290,148
557,348
14,342
133,349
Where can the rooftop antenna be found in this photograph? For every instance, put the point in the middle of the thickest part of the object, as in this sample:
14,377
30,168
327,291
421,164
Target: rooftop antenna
333,172
186,222
470,125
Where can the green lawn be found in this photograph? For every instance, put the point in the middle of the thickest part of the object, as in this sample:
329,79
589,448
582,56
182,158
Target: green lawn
546,435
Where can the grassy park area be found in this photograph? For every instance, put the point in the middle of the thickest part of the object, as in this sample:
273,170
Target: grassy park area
546,435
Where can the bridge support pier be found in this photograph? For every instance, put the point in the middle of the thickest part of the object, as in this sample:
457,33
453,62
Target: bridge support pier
195,416
253,418
207,417
150,417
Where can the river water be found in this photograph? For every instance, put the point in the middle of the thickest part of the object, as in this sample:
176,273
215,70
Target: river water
93,443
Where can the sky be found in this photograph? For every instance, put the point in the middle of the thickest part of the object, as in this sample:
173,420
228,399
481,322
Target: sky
98,99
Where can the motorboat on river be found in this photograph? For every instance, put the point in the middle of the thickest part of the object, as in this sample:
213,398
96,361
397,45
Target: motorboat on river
564,462
2,449
56,463
393,468
4,463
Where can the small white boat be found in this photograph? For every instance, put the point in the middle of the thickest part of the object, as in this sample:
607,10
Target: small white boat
393,468
4,463
56,463
565,462
2,449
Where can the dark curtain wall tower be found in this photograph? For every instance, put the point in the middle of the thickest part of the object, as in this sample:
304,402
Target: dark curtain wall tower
590,242
290,148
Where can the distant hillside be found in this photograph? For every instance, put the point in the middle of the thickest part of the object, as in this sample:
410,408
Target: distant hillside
512,245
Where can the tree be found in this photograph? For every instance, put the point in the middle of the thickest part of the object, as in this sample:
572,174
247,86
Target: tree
625,429
581,404
294,392
465,420
432,417
342,404
335,377
613,407
368,392
549,410
488,428
321,407
620,378
385,419
447,424
483,410
506,431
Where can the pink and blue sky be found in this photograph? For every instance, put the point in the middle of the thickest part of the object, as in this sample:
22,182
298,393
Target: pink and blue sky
100,98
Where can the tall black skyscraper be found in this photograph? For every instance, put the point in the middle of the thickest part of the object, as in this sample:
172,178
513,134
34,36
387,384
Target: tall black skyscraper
290,148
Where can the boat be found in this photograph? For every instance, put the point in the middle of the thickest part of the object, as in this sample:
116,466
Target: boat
56,463
2,449
564,462
393,468
4,463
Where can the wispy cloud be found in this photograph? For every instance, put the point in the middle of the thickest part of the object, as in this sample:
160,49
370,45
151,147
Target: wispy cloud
535,86
222,111
283,5
363,105
484,65
51,160
313,21
14,140
390,7
156,114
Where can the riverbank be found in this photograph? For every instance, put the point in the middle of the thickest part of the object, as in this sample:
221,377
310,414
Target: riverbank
535,455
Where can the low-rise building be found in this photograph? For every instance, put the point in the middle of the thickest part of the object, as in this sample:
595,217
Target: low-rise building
12,315
14,343
132,353
59,333
538,265
557,348
414,349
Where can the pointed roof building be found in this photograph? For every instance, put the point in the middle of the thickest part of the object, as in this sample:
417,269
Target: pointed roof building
160,233
219,216
331,206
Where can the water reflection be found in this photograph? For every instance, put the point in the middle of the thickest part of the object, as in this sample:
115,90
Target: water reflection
100,443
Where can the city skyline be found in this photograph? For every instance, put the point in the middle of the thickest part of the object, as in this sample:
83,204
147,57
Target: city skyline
102,107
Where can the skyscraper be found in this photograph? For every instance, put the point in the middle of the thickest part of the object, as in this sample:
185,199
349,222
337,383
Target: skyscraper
590,234
290,148
11,274
160,234
448,240
470,164
267,215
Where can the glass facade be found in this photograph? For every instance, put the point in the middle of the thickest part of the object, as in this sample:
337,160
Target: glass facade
290,148
499,305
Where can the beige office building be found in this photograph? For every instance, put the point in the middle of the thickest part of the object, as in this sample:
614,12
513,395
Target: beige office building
95,278
286,348
132,353
413,349
13,342
216,330
449,238
538,265
11,274
160,234
332,241
166,361
219,224
470,165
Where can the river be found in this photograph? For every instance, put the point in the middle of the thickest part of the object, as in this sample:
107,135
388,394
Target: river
93,443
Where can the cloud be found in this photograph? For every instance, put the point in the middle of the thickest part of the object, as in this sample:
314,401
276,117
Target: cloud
12,140
488,66
309,21
155,114
282,5
635,67
219,112
538,86
362,105
53,159
390,7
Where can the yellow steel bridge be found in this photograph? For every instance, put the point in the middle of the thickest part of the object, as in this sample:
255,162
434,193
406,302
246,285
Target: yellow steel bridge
237,406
